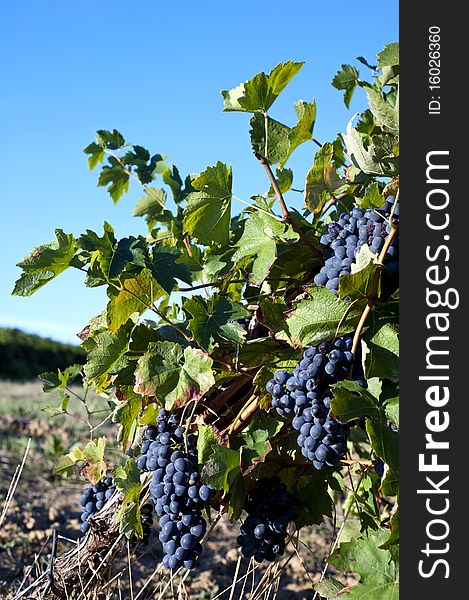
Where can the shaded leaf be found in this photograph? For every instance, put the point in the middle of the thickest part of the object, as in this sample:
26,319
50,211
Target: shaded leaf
222,468
303,130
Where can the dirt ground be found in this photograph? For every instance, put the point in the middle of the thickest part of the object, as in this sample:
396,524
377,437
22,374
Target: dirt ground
42,503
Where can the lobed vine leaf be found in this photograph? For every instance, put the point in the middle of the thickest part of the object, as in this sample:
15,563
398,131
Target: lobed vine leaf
207,214
260,92
173,375
44,263
214,320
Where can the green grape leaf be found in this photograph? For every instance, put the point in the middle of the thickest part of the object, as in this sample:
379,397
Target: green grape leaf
377,569
322,180
222,468
94,450
259,240
260,92
267,351
359,285
65,465
116,177
128,252
389,56
382,345
152,204
167,265
385,442
346,79
372,198
322,318
206,439
112,140
108,349
173,375
276,150
351,401
55,380
135,295
383,112
207,214
172,178
126,415
272,314
44,263
329,588
129,520
391,407
93,457
127,481
261,428
214,320
313,498
303,130
284,179
393,538
145,166
96,153
375,159
109,257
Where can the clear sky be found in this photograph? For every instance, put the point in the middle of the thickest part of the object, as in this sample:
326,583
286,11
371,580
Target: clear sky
154,71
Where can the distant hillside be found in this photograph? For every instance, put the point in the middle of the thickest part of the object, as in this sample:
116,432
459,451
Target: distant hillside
24,356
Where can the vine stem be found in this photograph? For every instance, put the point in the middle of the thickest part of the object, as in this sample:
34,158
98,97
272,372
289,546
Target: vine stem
372,301
247,411
283,207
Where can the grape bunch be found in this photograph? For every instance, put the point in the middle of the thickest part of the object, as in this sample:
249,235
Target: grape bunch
93,499
345,238
176,489
270,509
306,394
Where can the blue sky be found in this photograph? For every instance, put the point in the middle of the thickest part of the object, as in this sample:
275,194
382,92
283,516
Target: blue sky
154,71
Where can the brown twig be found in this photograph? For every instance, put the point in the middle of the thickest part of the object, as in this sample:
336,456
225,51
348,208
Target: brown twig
283,207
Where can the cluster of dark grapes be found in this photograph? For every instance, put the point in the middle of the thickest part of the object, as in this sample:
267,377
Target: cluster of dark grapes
306,393
176,489
270,509
345,238
146,516
93,499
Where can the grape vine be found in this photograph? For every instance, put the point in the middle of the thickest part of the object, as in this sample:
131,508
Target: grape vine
248,359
